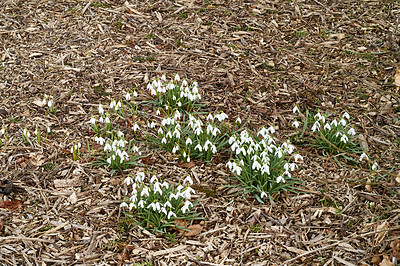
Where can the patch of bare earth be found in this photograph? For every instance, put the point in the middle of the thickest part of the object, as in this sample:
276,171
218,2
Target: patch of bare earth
256,59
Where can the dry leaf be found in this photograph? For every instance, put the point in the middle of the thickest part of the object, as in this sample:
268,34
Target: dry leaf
368,185
179,223
190,164
39,103
11,205
386,262
383,234
397,78
376,260
195,229
62,183
398,177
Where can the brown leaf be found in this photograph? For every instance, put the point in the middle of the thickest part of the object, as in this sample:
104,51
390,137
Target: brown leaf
386,262
147,160
368,185
180,223
11,205
397,78
195,229
376,260
383,234
190,164
398,177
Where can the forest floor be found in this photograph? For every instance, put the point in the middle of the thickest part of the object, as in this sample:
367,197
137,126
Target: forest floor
253,59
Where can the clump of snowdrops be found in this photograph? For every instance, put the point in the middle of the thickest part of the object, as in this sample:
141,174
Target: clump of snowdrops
156,205
190,137
262,166
333,135
116,153
176,94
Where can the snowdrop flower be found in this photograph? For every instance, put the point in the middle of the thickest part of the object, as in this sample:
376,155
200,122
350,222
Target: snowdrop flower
177,78
297,157
107,120
334,123
316,126
153,179
188,142
263,194
296,124
186,206
135,127
346,115
141,204
92,121
221,117
167,205
188,179
214,149
174,196
351,131
320,117
139,177
101,119
271,129
256,165
175,149
295,109
128,180
210,117
119,134
127,96
198,147
47,128
160,131
101,110
109,161
344,138
171,214
50,103
135,94
44,102
343,122
363,155
327,127
280,179
26,133
99,140
375,166
164,141
107,147
157,188
124,204
238,120
187,193
145,192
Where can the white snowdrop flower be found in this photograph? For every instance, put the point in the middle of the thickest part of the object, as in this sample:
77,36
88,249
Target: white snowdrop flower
158,112
101,110
141,204
160,131
280,179
351,131
238,120
26,133
344,138
186,206
179,104
221,117
346,115
124,204
175,149
363,155
100,140
153,179
216,131
256,165
164,141
44,102
210,117
50,103
184,83
47,128
327,127
187,193
109,161
135,94
157,188
271,129
101,119
265,169
171,214
140,177
188,179
189,141
263,195
295,109
334,123
375,166
135,127
198,147
343,122
177,134
145,192
286,166
107,147
120,134
127,96
77,171
128,180
167,205
163,77
214,149
297,157
112,104
169,135
177,78
174,196
318,116
279,153
177,115
315,127
92,121
296,124
164,210
107,120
